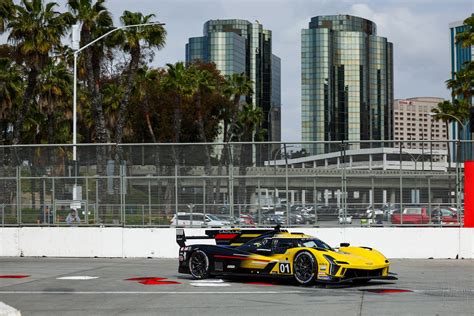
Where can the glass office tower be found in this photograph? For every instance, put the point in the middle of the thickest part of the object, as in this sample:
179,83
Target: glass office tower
459,57
346,82
238,46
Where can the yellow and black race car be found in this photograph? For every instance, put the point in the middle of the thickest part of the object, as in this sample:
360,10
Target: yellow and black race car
279,253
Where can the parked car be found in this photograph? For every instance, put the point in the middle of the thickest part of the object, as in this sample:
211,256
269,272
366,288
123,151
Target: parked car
444,215
411,215
198,219
344,218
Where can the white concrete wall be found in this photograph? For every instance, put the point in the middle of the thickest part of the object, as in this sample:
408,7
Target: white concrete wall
394,242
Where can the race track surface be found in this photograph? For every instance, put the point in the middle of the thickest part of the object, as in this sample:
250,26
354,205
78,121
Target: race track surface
58,286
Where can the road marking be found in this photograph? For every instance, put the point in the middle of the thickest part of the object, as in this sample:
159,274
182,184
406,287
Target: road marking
77,277
209,281
209,284
154,292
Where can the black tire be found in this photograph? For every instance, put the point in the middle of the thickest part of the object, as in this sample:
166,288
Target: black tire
305,268
199,265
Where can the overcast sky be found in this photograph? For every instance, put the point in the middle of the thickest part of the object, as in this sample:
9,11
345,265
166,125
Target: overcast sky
418,30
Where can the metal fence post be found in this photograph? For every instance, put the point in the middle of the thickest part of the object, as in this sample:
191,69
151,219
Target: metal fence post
176,191
401,185
18,195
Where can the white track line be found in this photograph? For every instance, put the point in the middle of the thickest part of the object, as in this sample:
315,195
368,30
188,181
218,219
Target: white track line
208,281
202,284
77,277
155,292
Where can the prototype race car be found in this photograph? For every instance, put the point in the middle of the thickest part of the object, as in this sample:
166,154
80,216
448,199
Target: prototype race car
279,253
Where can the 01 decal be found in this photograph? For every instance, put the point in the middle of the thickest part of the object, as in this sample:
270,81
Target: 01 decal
284,267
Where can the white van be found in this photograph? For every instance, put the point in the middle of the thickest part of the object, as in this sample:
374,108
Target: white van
198,219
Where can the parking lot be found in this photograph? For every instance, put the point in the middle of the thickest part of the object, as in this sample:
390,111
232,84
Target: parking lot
57,286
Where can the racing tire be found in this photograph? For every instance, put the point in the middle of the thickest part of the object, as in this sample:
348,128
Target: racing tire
199,265
305,268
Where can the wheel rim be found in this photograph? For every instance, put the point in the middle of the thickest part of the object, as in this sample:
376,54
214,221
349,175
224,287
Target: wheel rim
304,268
198,264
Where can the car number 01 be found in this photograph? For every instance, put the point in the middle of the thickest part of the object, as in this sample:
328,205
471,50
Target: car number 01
284,268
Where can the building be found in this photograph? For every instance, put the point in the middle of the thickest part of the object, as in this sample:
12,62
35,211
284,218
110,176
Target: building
239,46
412,121
347,82
459,57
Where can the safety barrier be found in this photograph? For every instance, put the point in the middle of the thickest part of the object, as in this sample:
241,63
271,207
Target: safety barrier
394,242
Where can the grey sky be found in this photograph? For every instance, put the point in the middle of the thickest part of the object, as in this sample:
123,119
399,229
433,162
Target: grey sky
418,29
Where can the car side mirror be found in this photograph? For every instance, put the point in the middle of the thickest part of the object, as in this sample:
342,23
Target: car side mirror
208,220
344,244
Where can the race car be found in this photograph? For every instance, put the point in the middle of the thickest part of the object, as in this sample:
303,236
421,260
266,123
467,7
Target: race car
281,254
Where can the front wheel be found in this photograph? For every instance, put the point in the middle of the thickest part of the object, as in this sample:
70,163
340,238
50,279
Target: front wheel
305,268
199,265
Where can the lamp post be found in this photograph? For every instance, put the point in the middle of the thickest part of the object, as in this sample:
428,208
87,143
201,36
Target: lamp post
75,46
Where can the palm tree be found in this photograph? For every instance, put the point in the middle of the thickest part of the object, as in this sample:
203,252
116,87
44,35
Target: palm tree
7,10
177,82
36,30
131,41
467,37
238,86
202,82
249,120
444,112
463,83
95,20
11,89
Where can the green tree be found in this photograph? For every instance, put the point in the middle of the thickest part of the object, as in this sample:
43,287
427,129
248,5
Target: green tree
238,86
11,89
467,37
96,20
7,10
132,41
36,30
249,120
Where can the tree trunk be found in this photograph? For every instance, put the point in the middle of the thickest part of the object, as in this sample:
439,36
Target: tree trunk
27,98
448,143
207,157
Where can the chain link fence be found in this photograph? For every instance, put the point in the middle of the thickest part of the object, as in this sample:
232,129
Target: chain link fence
235,184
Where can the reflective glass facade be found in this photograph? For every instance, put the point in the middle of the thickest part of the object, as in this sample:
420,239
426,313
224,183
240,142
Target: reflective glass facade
346,81
238,46
459,56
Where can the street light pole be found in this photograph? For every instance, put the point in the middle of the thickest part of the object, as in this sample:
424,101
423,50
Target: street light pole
76,52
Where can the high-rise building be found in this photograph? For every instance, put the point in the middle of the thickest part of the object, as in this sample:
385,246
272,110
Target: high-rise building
346,81
459,57
238,46
413,122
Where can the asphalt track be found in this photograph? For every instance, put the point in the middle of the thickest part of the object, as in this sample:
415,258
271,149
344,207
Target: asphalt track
99,287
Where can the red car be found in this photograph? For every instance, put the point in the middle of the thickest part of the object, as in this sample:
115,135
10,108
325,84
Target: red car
411,215
445,216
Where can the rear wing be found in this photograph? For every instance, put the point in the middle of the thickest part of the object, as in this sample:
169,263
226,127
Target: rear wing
233,237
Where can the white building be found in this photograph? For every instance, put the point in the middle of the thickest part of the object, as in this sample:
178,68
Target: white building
412,121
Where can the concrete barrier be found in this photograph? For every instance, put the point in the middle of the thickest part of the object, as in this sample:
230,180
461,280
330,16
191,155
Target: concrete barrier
394,242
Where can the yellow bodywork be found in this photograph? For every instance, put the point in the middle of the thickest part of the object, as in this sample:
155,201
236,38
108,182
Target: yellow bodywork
344,257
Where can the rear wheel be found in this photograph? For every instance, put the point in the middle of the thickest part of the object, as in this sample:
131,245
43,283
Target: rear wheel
199,265
304,266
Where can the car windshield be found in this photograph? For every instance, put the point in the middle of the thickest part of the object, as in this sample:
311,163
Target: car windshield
315,243
213,217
